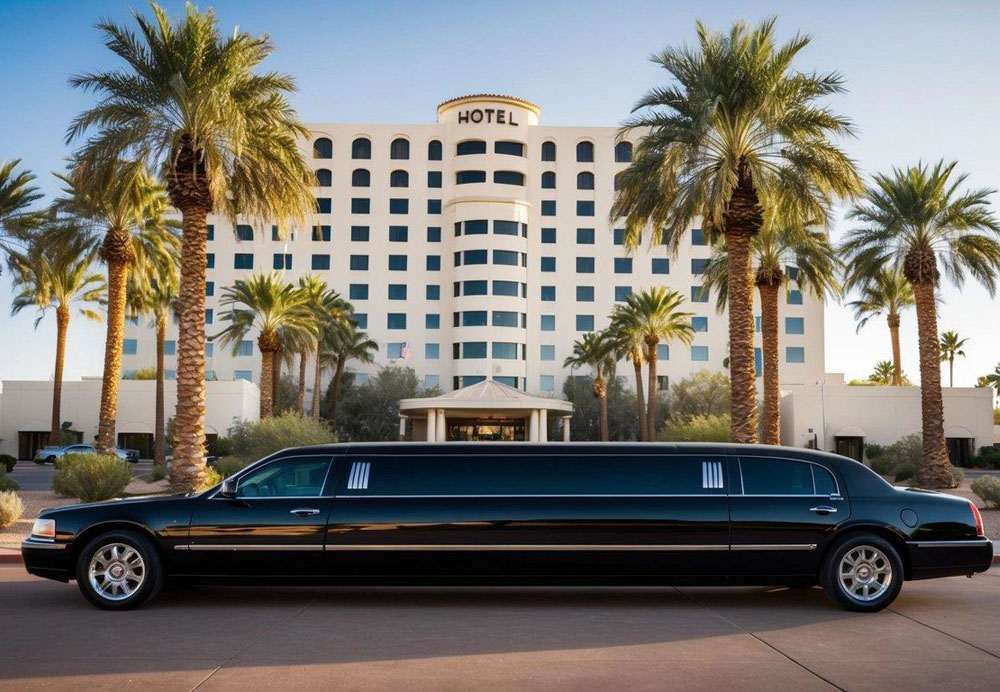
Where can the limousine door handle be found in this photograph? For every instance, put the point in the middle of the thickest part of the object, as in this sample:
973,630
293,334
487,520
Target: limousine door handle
823,509
305,512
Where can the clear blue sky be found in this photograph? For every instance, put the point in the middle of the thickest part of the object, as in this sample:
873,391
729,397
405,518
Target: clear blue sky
922,80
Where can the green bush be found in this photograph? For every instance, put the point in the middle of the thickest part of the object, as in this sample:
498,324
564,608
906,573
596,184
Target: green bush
11,508
91,477
212,478
988,457
7,462
873,451
988,488
253,441
699,428
158,473
229,465
222,447
882,465
7,483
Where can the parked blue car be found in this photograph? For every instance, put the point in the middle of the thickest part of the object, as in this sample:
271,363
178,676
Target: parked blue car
48,455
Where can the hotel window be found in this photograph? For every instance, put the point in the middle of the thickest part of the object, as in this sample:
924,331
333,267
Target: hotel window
585,236
433,292
475,257
324,178
245,348
699,324
210,376
508,178
130,347
210,260
360,177
170,374
585,294
474,349
361,205
432,351
505,288
505,227
275,236
433,206
471,146
397,291
699,294
622,293
623,152
396,320
241,375
210,232
504,318
321,233
433,234
623,265
399,205
467,177
360,319
792,273
585,181
548,180
359,263
698,237
548,294
361,148
209,288
661,265
508,148
698,266
474,288
476,227
397,263
398,234
433,178
585,152
663,351
209,316
548,235
662,382
758,362
757,324
434,150
360,234
546,383
431,381
282,261
399,149
243,260
504,350
323,205
394,350
795,325
547,352
795,297
699,353
244,232
584,323
584,208
795,354
584,265
209,349
433,263
358,291
399,179
432,320
472,318
548,207
322,148
548,323
505,257
548,264
548,151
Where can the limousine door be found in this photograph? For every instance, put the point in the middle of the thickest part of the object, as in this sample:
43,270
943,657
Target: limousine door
275,526
557,516
782,511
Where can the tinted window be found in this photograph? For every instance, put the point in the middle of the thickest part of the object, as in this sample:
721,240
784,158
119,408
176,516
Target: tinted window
825,484
292,477
776,477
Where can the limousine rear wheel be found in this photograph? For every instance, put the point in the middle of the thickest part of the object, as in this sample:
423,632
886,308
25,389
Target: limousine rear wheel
862,573
119,570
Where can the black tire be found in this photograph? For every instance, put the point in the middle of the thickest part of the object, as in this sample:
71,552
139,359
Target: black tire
869,546
151,572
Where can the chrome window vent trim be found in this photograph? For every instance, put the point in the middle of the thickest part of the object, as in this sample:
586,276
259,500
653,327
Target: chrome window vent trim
711,475
358,479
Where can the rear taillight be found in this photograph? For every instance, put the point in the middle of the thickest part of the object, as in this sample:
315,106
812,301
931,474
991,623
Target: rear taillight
980,531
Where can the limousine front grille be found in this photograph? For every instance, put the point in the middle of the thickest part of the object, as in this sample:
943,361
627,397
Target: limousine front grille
711,474
358,480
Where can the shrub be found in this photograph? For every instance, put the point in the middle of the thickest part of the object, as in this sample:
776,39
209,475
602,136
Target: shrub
7,483
700,428
8,462
988,488
212,478
221,447
988,457
228,466
874,451
11,508
253,441
158,473
91,477
882,465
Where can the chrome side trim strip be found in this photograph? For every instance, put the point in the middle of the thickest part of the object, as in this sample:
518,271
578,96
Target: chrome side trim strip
44,545
717,496
976,543
774,546
526,547
199,547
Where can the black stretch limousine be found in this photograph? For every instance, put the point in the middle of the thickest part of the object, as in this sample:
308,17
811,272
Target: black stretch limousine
510,513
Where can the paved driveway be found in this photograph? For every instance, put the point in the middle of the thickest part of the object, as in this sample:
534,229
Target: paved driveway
32,477
941,634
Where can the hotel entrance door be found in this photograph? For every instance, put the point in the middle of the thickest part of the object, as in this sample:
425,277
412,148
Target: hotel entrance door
465,430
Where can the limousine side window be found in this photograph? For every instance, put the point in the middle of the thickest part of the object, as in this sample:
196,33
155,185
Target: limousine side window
776,477
825,484
291,477
597,475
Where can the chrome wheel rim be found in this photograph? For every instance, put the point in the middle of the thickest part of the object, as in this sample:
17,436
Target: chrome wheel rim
865,573
116,571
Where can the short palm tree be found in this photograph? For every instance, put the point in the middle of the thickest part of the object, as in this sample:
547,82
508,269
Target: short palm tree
951,346
991,380
629,344
267,304
596,351
884,373
739,139
918,220
772,251
655,313
17,194
889,293
188,102
54,272
327,308
343,341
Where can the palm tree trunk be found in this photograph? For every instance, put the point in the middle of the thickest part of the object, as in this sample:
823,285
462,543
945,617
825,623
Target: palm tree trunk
338,377
317,384
743,407
640,400
276,382
951,371
600,390
769,340
935,472
302,384
62,326
897,375
265,342
651,343
159,434
108,413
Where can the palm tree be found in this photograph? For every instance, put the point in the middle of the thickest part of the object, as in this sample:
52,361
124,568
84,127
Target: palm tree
655,314
124,213
951,346
630,344
343,341
772,250
270,305
596,350
188,102
16,195
739,140
991,380
886,292
885,373
327,308
53,271
918,220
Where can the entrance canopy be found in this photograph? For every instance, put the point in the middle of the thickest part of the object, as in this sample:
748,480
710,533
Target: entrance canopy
486,410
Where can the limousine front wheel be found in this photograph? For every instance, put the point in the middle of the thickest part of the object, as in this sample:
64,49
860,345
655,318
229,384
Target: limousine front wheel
863,573
119,570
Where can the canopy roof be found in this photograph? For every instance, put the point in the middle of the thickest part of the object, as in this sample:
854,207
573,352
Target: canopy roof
486,395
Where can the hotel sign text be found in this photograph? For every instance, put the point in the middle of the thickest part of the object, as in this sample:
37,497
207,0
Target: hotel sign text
499,116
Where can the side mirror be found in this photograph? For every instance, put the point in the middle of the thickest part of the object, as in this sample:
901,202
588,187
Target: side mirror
228,489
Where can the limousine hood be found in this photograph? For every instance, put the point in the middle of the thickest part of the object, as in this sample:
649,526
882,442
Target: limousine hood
118,501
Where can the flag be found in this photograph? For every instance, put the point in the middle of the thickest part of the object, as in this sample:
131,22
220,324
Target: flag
405,353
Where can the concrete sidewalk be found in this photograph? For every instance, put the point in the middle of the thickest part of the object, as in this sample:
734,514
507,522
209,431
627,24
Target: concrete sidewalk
938,634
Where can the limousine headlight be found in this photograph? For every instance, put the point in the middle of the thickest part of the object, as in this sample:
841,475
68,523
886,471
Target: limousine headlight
44,528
